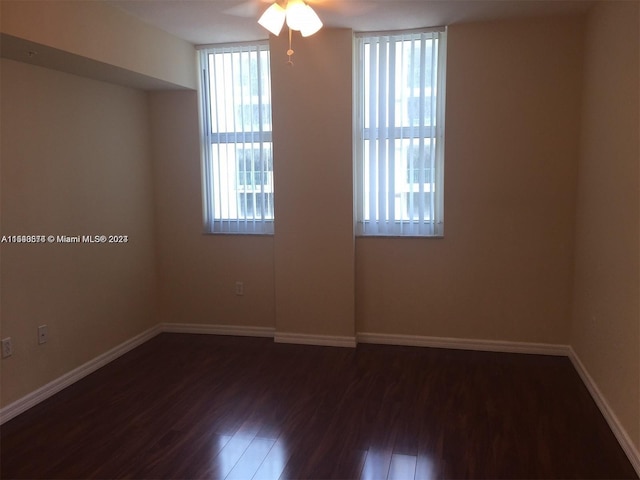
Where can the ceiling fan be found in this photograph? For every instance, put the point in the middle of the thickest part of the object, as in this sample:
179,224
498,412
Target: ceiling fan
297,14
255,8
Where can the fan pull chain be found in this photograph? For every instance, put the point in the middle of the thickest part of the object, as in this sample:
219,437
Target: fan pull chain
290,51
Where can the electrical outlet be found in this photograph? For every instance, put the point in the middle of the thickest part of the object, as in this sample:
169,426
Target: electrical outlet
7,347
43,334
239,288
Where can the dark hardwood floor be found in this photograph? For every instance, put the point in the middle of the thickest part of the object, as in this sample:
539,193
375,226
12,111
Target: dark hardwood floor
203,406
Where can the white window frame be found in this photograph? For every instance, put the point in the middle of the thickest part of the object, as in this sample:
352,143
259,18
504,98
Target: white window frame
385,200
225,132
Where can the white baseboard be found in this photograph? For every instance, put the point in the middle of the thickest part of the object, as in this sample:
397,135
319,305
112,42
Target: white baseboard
321,340
60,383
465,344
245,331
616,427
235,330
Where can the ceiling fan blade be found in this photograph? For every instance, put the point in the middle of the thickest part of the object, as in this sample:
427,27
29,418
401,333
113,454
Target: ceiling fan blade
248,9
351,8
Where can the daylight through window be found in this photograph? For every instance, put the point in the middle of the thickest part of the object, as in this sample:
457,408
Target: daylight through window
400,133
235,97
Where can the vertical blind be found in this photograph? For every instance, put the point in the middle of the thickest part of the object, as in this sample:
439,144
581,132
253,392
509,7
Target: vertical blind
237,169
399,137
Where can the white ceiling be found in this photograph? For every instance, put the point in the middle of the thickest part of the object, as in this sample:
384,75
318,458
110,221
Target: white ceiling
218,21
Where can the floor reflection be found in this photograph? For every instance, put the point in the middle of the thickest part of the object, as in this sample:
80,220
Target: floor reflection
245,456
383,465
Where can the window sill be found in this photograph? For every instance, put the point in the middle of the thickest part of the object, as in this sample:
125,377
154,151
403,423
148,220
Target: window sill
426,237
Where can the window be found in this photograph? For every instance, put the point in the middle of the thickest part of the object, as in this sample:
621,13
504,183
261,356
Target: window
255,171
399,135
237,170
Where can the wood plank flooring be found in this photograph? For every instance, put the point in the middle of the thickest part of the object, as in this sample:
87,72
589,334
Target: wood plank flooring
204,406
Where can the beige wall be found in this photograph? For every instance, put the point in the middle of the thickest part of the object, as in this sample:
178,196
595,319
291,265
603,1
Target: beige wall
606,314
198,272
503,270
305,271
314,243
74,161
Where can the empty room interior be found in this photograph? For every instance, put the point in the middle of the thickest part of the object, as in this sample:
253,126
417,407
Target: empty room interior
121,301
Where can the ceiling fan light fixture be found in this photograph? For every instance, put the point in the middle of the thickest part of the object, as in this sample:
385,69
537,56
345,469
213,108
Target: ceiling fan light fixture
296,14
311,22
273,18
